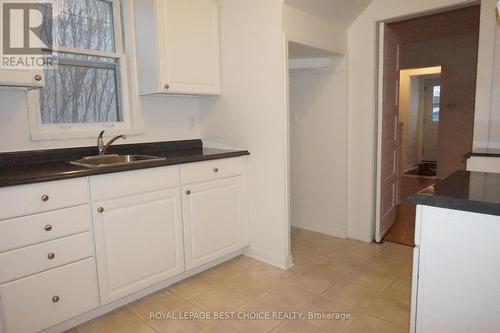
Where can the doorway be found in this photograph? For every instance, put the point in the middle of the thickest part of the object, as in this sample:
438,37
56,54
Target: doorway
432,108
433,127
317,139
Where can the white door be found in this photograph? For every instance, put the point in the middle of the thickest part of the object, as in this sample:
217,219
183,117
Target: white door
138,242
191,38
388,120
431,119
215,221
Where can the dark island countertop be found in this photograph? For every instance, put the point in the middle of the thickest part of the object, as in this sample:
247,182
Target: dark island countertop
476,192
484,152
18,168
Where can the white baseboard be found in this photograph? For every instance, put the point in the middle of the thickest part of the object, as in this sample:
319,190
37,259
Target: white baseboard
283,262
335,232
64,326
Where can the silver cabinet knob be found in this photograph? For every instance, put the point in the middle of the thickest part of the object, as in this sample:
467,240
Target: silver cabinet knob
38,77
45,198
100,210
48,227
167,86
51,256
216,170
55,299
188,192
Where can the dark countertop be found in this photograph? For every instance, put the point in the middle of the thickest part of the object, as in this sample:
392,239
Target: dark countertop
19,168
484,152
475,192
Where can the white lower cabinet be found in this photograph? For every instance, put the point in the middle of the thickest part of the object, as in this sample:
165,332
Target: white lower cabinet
45,299
215,220
66,250
138,242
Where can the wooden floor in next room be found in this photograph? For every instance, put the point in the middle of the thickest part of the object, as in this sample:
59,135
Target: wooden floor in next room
403,230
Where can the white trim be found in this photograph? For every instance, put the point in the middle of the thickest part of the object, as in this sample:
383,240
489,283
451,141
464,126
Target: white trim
283,262
379,120
286,140
105,54
128,92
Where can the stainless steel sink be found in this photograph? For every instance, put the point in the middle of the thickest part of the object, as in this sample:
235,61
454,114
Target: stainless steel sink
110,160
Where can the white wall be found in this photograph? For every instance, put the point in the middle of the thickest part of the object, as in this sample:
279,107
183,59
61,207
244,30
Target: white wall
409,114
310,30
361,106
318,141
250,113
165,119
494,120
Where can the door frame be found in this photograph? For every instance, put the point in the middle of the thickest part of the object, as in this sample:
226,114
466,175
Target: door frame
428,104
486,57
379,234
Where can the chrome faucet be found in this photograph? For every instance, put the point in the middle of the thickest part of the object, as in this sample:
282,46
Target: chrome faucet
101,147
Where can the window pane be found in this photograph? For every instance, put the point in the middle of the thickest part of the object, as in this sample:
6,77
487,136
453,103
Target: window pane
83,89
86,24
436,95
435,114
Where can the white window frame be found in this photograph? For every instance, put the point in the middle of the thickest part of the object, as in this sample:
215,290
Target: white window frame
128,101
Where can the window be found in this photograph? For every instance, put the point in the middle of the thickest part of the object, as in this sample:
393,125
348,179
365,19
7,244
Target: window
436,100
85,92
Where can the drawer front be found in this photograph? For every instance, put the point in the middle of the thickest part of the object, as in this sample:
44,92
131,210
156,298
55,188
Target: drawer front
124,184
211,170
36,198
43,300
38,258
34,229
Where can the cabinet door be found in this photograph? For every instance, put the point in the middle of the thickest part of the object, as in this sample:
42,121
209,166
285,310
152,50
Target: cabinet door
138,242
22,78
191,47
215,220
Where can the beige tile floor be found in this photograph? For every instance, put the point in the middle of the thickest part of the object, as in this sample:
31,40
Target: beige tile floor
370,282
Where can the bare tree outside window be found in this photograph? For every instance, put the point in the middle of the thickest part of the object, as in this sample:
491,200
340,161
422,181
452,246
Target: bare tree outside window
84,87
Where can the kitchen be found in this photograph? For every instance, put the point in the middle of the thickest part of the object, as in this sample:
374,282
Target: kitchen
190,209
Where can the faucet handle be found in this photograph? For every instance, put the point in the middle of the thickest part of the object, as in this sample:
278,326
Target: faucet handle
101,134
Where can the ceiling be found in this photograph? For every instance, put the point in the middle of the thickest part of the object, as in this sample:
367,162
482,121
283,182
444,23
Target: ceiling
341,12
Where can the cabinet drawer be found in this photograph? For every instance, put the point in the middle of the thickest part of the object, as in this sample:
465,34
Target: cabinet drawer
43,300
34,229
38,258
30,199
211,170
124,184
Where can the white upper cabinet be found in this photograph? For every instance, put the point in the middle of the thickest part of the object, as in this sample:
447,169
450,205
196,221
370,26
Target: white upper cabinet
21,78
177,45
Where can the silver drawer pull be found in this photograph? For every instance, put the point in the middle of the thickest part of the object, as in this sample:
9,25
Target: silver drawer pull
45,198
51,256
55,299
100,210
216,170
48,227
188,192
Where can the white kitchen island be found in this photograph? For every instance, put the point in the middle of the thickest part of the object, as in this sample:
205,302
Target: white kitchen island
456,272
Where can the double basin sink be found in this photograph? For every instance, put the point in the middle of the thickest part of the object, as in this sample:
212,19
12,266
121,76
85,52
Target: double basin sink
111,160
